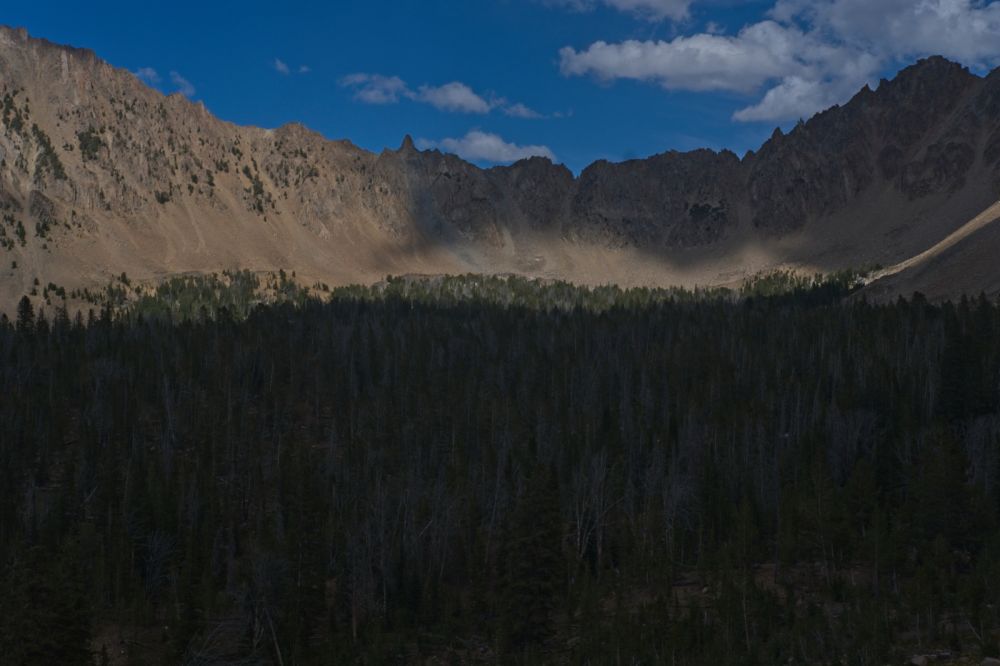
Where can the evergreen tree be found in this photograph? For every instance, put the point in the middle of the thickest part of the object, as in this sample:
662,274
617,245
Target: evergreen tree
25,315
534,571
44,614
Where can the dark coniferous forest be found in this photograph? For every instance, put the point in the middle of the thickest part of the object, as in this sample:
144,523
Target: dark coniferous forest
496,471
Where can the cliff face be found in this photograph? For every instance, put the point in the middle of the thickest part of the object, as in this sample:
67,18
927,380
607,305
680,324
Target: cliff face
99,174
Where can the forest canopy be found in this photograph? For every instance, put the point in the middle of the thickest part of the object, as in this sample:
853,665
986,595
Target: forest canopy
492,469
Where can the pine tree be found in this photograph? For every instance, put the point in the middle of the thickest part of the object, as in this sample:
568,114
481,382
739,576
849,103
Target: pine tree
25,315
44,617
534,571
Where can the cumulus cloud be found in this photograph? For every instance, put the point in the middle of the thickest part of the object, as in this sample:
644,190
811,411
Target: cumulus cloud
281,67
182,85
148,74
454,97
806,55
521,111
796,97
742,63
478,146
655,10
964,30
375,88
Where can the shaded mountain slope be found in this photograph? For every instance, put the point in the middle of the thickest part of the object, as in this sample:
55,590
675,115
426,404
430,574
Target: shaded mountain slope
966,262
100,175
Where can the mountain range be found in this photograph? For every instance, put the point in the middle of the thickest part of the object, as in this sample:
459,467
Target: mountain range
102,175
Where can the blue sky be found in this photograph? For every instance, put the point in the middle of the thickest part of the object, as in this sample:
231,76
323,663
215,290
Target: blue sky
494,80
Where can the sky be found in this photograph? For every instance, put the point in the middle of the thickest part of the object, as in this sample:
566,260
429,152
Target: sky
498,80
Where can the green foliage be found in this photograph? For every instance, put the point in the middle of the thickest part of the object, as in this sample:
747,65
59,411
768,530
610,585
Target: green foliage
44,613
514,291
533,574
804,288
25,315
90,143
236,293
6,242
256,190
11,113
503,470
47,161
42,229
518,292
53,288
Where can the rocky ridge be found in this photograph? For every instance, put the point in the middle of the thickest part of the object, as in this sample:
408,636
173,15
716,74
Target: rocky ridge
99,175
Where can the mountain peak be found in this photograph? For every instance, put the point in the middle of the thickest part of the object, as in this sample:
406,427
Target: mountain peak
19,33
408,146
934,70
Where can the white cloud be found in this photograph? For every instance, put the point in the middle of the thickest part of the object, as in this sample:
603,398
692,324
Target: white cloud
655,10
148,74
964,30
454,96
759,53
283,68
478,146
183,86
794,97
809,54
521,111
375,88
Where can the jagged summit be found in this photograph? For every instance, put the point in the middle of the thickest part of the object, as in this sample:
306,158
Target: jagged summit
408,145
100,175
932,68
